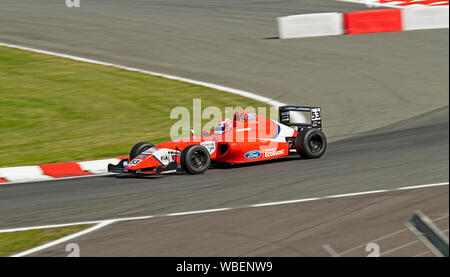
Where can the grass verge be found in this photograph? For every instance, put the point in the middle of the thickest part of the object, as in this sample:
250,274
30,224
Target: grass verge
16,242
54,109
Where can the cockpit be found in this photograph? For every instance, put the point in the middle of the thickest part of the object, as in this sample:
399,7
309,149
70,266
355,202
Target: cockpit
227,124
223,126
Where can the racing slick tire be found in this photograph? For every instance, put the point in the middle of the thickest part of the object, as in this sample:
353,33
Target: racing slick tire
311,143
139,148
195,159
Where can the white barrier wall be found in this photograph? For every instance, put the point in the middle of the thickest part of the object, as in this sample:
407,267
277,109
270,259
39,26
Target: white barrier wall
23,173
417,18
310,25
97,166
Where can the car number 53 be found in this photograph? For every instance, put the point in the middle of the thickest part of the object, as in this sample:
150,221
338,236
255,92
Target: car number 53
315,114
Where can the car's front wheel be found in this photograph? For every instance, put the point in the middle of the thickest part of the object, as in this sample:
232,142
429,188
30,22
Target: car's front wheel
139,148
311,143
195,159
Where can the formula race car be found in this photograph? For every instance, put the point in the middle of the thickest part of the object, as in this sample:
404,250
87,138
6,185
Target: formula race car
249,137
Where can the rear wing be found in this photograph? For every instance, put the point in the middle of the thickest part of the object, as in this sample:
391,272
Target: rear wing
302,117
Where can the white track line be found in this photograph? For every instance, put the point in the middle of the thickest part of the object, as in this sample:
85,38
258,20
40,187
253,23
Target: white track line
105,222
55,242
167,76
423,186
423,253
357,193
388,235
285,202
199,212
399,247
375,240
330,250
49,226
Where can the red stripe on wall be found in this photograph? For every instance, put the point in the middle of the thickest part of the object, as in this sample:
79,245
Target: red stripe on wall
3,180
63,170
373,21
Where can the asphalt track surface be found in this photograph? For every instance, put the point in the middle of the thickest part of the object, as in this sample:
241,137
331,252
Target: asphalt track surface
384,97
346,225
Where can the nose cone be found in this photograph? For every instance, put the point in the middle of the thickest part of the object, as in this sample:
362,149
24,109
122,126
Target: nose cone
143,161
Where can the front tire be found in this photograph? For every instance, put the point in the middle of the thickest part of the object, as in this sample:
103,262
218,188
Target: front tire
139,148
311,143
195,159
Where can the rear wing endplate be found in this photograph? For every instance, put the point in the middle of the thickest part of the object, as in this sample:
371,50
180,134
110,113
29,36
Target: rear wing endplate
300,116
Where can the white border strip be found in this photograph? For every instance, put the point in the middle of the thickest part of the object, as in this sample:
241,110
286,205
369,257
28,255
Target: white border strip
105,222
167,76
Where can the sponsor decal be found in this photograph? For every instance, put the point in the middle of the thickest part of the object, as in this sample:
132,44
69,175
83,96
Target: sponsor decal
134,162
141,157
252,154
210,145
125,163
165,159
162,156
252,116
273,153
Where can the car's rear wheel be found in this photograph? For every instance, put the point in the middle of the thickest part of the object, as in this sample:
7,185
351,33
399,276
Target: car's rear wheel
195,159
311,143
139,148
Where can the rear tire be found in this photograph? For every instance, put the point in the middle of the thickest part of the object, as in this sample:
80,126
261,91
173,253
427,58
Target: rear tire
195,159
139,148
311,143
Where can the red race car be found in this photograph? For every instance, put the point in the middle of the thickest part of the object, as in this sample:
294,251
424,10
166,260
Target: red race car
249,137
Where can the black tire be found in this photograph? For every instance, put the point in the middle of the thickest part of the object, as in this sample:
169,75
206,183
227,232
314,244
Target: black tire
195,159
139,148
311,143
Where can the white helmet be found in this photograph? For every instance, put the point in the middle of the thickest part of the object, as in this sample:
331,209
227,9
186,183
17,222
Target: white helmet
224,126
